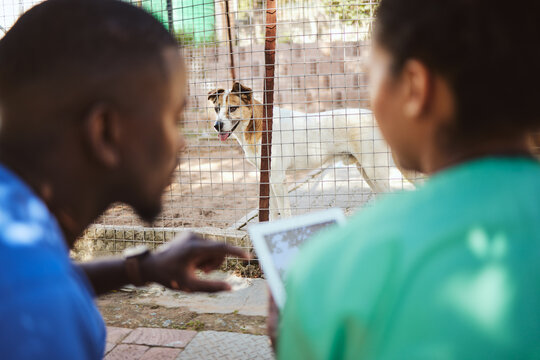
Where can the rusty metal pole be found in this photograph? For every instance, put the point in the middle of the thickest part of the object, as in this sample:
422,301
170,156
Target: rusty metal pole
230,40
266,141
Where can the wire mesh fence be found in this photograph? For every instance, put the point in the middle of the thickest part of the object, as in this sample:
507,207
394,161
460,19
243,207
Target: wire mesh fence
322,54
321,113
320,65
322,125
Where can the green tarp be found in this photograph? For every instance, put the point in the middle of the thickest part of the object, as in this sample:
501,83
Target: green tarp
193,20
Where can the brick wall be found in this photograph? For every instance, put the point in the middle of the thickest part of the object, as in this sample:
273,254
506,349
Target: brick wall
309,77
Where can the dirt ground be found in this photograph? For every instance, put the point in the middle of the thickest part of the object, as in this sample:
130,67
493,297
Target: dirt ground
118,309
214,185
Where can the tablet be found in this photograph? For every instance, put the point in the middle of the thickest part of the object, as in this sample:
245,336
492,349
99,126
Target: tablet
278,242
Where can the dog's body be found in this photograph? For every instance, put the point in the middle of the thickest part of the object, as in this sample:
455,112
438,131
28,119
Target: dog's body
303,141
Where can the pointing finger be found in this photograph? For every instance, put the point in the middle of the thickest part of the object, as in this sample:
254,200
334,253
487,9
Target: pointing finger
226,249
207,286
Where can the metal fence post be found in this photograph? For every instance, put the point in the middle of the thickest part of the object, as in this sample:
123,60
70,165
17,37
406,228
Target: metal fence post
266,141
230,39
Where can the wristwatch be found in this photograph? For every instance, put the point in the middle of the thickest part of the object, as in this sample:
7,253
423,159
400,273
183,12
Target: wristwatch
132,261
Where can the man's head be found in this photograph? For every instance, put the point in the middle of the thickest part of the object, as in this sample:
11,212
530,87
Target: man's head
471,65
101,84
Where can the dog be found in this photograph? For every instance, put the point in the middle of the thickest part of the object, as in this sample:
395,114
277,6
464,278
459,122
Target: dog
303,141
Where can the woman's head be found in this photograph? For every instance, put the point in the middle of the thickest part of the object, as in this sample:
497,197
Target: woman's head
482,55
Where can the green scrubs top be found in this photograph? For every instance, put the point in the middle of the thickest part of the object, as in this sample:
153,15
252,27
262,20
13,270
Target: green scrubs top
449,271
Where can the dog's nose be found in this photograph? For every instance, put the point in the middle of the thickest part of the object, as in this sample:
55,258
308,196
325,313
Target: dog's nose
218,125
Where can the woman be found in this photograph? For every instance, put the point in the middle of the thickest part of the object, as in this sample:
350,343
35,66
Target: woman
448,271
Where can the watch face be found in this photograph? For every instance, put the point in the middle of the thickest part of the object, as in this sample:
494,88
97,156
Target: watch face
136,251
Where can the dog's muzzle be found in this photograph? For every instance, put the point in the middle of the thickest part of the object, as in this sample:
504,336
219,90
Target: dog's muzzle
224,135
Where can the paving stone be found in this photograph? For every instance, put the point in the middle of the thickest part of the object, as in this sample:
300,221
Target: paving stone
116,334
126,352
210,345
248,297
109,346
160,337
160,353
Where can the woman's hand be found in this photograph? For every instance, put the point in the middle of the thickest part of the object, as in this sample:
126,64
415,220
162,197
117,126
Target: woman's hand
272,322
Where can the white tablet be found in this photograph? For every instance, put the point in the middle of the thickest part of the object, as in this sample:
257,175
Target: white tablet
277,243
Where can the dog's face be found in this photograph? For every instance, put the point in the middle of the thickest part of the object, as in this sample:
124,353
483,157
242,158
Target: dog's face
231,107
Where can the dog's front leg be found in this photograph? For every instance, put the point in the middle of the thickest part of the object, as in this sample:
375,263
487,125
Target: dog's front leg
274,207
279,186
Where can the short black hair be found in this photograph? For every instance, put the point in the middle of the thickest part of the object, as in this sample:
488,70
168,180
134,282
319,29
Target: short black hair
82,48
487,50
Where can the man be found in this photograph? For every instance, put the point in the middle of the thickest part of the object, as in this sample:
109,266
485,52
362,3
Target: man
449,271
91,93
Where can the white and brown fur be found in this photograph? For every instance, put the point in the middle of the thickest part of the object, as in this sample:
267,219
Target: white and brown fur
303,141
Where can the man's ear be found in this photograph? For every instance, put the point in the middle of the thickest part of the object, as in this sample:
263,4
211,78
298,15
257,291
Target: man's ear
213,95
244,92
102,133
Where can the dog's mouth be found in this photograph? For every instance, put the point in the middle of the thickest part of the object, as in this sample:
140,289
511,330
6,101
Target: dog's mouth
224,135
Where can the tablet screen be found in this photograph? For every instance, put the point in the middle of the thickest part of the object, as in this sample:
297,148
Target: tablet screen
277,243
284,245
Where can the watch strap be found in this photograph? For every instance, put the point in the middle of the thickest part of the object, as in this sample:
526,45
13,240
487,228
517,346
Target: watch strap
132,264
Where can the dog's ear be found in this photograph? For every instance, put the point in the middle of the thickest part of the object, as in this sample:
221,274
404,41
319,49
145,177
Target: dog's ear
244,92
213,95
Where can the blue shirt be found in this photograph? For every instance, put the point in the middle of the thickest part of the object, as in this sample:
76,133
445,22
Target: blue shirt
46,303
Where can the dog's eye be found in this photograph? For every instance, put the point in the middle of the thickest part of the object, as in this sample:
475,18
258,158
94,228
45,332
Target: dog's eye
217,109
233,108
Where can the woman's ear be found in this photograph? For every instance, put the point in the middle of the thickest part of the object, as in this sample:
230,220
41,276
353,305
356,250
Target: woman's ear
102,133
417,87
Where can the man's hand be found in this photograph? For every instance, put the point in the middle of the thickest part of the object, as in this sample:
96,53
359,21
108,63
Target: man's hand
173,264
